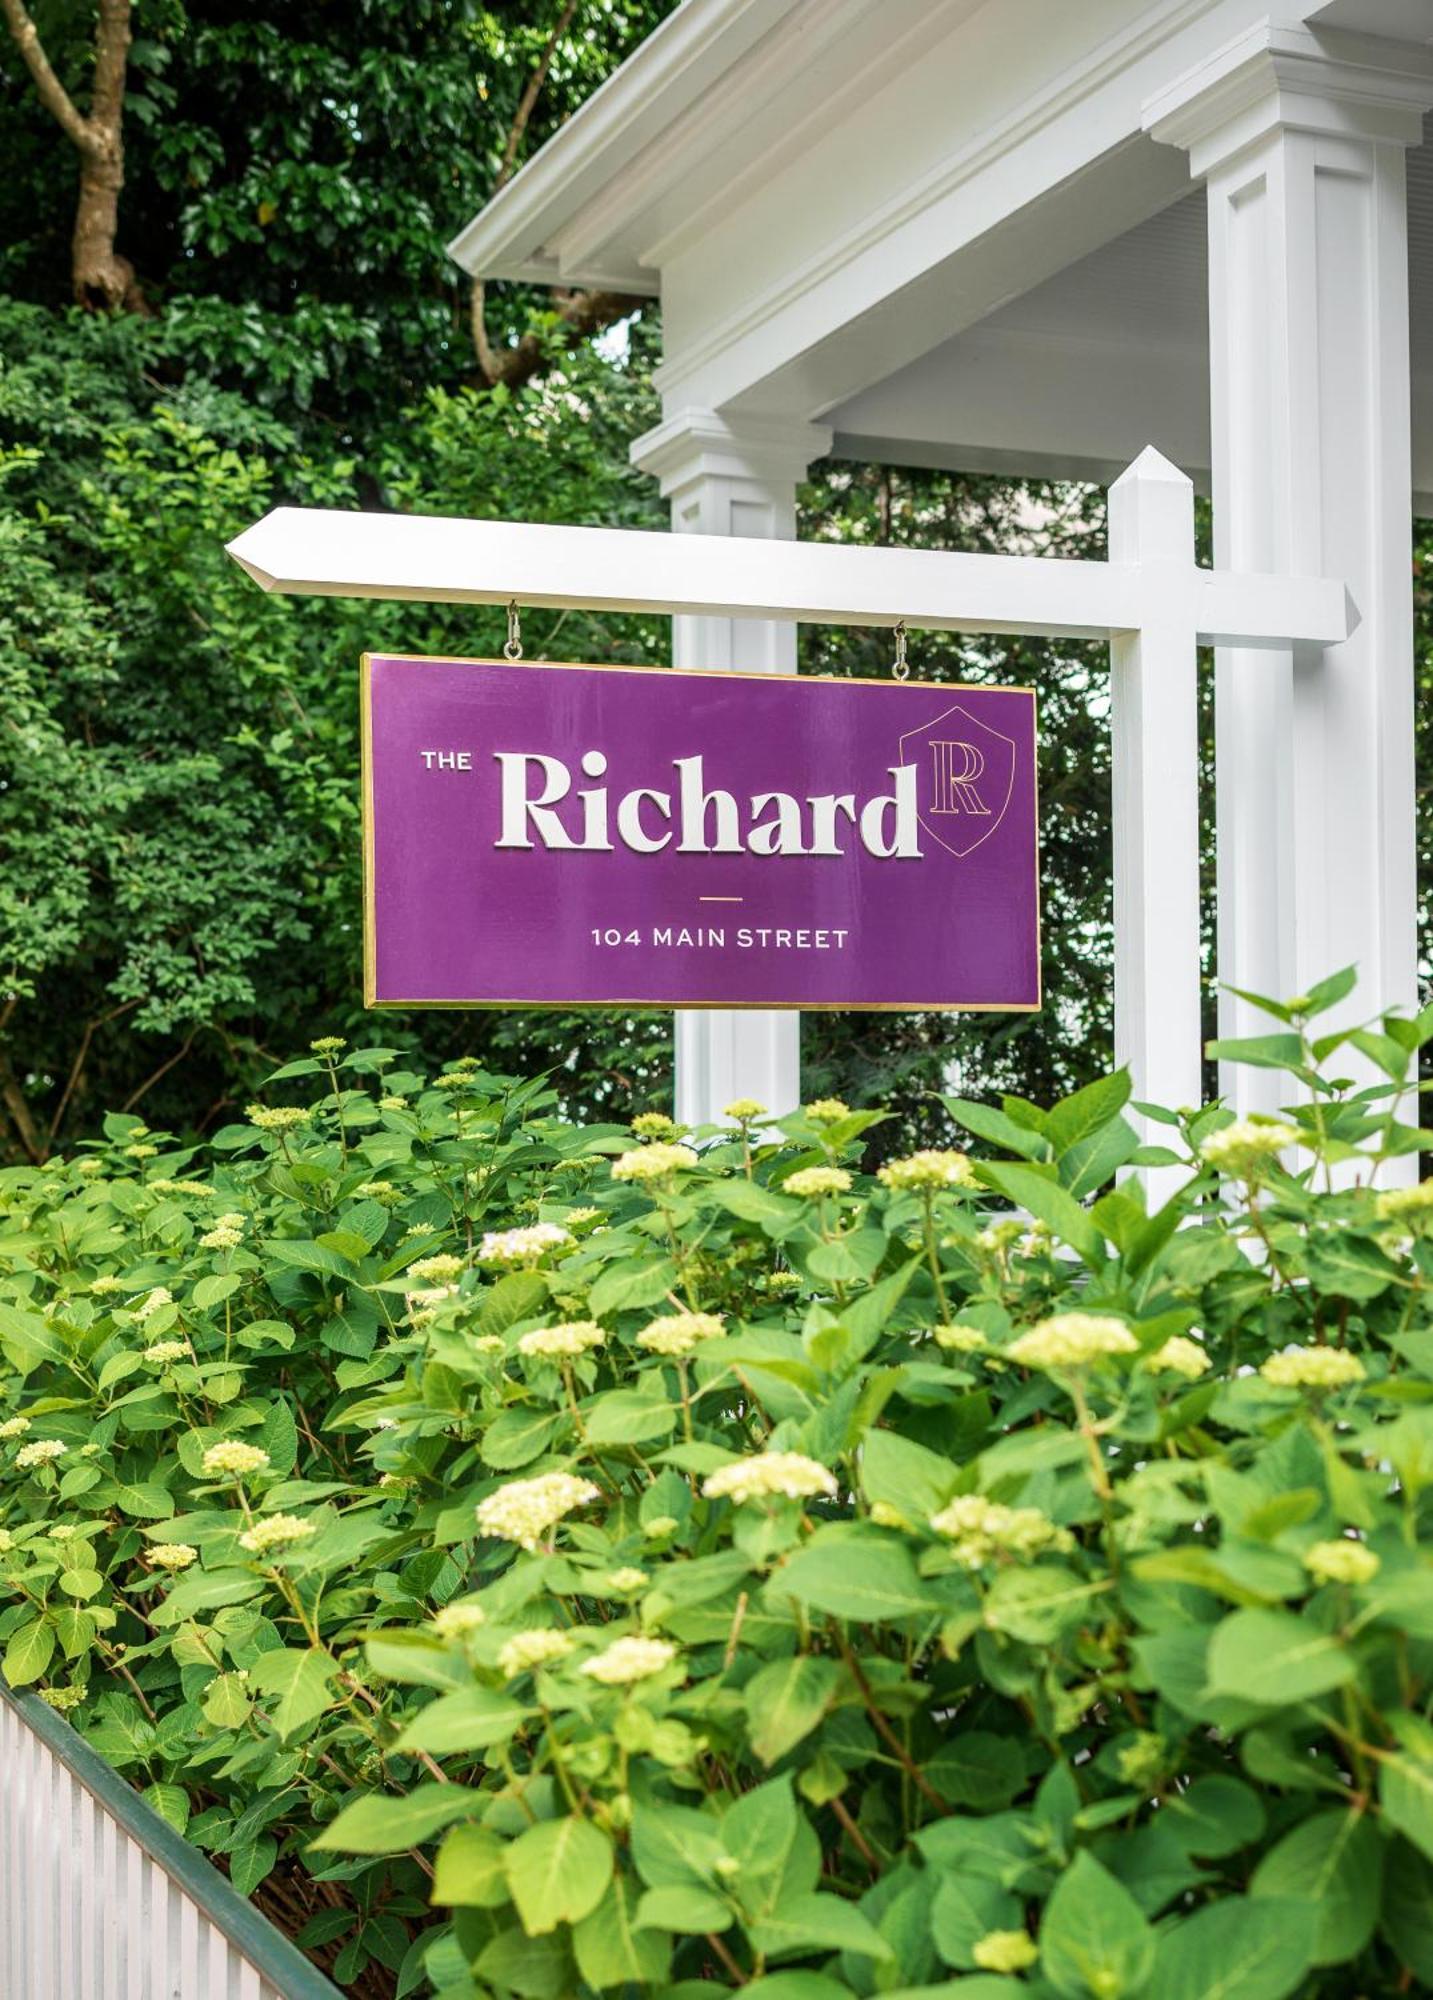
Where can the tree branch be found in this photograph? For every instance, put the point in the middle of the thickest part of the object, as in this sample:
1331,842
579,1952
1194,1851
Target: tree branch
52,93
585,312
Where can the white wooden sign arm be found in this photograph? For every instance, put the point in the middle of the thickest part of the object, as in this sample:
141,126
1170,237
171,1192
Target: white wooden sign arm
335,553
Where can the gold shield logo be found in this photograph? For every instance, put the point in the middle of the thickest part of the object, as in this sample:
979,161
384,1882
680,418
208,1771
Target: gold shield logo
965,777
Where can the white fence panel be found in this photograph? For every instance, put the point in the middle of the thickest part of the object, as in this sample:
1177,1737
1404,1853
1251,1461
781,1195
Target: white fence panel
101,1900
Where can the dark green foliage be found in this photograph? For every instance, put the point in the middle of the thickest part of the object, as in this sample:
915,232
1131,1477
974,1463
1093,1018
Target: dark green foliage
178,776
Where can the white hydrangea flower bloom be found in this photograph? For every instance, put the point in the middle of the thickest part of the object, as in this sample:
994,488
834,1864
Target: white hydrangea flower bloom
527,1650
1313,1368
565,1342
1072,1340
678,1333
654,1162
627,1660
516,1248
232,1459
525,1510
784,1475
811,1183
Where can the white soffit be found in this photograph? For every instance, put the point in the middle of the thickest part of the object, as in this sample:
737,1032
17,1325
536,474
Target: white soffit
1113,349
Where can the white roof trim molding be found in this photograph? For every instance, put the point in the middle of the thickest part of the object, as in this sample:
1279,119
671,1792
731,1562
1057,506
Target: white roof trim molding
665,76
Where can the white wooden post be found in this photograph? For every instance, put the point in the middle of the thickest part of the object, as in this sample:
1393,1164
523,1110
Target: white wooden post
1300,138
722,480
1155,758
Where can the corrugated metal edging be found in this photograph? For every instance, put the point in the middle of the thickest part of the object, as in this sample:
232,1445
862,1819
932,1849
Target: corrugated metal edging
100,1899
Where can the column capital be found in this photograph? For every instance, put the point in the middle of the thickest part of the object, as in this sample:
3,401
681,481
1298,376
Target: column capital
694,444
1280,76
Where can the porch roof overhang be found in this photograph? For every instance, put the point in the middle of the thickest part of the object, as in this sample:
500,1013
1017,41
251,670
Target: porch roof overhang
941,230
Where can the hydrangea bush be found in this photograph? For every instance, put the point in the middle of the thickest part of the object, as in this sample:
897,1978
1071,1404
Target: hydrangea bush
545,1561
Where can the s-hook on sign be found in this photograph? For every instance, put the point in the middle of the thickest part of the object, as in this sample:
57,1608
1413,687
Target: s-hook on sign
579,836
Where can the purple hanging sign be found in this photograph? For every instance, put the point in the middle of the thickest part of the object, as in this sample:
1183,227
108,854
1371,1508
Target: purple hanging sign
572,836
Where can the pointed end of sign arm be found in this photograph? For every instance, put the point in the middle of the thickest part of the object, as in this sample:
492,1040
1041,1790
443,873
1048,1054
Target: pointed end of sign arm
248,548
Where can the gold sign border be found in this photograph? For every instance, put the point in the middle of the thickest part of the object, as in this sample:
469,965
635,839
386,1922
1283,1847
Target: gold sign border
370,939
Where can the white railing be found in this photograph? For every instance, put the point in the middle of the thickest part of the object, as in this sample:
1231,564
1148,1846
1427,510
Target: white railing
100,1899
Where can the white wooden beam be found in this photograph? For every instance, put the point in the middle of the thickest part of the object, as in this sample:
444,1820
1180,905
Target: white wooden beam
336,553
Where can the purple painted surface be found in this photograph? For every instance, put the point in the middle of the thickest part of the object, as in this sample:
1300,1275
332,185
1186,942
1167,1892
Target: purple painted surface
929,797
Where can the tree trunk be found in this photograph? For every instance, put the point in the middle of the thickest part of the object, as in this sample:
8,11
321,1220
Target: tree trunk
103,280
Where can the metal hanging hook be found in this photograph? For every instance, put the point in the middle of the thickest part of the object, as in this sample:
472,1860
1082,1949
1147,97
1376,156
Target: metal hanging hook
512,649
901,670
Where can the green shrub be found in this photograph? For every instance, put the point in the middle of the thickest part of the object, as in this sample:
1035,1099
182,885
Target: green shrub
751,1573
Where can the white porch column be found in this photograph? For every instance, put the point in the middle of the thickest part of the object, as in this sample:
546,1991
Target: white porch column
725,479
1300,139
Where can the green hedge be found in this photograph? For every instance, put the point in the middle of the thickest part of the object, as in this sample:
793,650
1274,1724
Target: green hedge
669,1562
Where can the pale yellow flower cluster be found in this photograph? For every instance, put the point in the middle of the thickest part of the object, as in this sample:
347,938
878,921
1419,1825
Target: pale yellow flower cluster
656,1162
627,1660
1072,1340
828,1111
513,1248
679,1333
489,1343
63,1699
770,1475
525,1510
149,1305
380,1191
527,1650
1245,1147
629,1578
929,1169
456,1621
812,1183
1004,1951
161,1186
1142,1761
392,1103
979,1530
277,1117
578,1218
1179,1356
220,1238
960,1339
232,1459
743,1110
439,1270
564,1342
106,1284
655,1125
276,1531
14,1427
1408,1204
1341,1561
140,1152
44,1451
329,1045
1313,1368
163,1352
171,1555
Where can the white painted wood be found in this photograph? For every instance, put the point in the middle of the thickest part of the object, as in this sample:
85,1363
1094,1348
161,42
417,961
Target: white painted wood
723,483
1155,763
746,573
1301,140
87,1913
